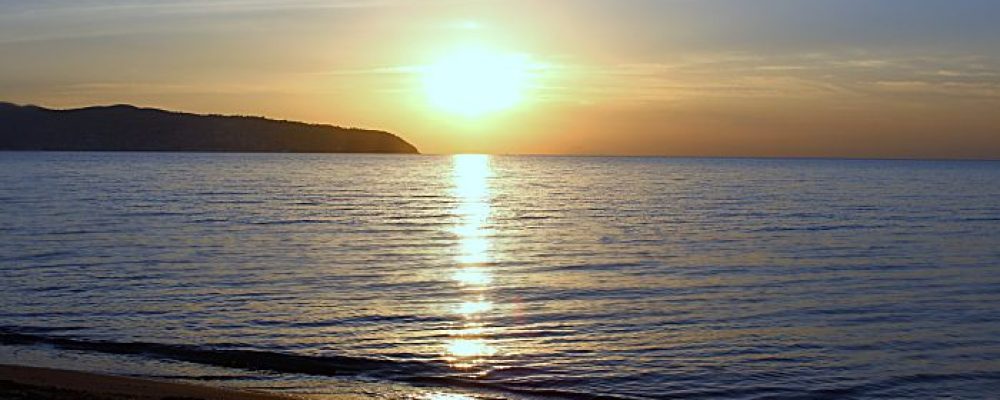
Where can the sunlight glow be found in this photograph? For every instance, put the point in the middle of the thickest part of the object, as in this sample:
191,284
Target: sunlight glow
476,81
469,25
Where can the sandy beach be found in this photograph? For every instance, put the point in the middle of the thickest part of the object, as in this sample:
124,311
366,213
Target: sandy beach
30,383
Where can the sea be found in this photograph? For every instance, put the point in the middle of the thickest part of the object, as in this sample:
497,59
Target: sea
506,277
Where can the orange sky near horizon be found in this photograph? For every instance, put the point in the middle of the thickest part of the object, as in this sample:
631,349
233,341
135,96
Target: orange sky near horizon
810,78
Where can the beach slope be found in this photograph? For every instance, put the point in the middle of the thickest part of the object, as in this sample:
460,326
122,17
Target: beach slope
18,382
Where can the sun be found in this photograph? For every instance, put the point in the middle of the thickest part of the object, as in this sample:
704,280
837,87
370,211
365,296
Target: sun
477,81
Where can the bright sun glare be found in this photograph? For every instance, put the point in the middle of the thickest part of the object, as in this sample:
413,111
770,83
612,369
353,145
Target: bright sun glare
476,81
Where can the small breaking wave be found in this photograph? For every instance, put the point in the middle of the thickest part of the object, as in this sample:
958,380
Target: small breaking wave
412,372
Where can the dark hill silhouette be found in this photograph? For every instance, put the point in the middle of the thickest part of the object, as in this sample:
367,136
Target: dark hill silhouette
129,128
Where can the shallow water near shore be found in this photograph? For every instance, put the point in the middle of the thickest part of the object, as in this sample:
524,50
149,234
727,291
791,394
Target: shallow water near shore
503,276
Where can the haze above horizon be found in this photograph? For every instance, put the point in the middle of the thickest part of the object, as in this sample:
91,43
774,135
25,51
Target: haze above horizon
769,78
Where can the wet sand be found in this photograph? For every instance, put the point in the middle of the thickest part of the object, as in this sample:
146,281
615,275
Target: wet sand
18,382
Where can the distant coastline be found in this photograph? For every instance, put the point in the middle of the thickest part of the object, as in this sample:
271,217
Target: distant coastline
130,128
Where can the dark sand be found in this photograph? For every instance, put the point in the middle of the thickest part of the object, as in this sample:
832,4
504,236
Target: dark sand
29,383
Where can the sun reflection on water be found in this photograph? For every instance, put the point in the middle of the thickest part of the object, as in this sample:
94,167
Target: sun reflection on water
469,345
474,250
473,277
446,396
470,173
470,348
470,308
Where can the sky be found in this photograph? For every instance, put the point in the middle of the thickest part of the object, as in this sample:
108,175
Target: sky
760,78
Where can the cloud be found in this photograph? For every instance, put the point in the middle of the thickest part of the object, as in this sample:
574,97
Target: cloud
974,90
847,76
398,70
165,88
40,21
184,6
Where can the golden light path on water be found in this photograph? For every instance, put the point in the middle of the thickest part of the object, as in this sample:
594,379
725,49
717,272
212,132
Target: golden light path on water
469,346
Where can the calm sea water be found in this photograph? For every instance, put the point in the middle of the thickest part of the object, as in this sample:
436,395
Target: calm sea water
548,277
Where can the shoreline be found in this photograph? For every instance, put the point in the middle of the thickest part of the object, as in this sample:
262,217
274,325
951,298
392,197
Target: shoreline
23,382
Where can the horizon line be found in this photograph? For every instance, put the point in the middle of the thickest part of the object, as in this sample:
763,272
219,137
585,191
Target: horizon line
609,155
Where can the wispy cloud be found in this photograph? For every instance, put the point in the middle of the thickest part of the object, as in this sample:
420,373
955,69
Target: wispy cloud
22,22
183,6
801,76
398,70
969,90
